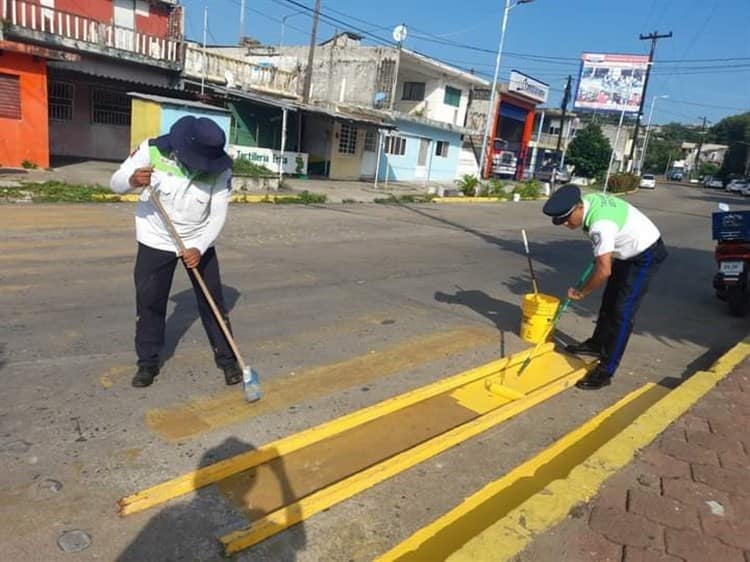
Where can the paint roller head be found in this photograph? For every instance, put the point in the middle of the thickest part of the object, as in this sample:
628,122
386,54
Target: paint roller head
251,384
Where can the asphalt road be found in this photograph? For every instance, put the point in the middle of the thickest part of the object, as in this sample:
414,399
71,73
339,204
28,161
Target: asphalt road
338,307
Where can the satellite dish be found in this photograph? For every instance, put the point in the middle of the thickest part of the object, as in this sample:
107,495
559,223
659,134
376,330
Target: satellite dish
399,33
229,76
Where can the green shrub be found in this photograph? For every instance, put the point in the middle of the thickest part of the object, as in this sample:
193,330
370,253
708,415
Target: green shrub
620,183
529,189
495,188
468,184
29,165
309,198
244,167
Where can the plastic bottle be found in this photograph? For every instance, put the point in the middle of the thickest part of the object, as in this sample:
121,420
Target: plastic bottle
251,384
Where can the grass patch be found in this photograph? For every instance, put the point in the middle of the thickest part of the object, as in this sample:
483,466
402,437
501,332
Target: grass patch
303,198
401,199
58,192
244,167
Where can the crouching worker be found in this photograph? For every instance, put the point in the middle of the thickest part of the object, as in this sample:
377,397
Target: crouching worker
192,174
628,250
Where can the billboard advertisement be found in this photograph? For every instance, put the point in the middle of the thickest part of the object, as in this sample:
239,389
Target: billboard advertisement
611,82
528,86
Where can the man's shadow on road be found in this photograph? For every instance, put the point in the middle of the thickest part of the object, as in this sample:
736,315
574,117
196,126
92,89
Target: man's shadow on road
188,530
185,313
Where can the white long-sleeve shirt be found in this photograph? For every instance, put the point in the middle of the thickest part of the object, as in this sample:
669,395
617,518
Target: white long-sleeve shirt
196,205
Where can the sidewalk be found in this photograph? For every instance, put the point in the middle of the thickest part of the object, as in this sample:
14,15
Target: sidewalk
686,497
95,172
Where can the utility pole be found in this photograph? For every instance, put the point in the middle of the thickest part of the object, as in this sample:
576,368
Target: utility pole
700,144
311,54
242,21
564,107
653,37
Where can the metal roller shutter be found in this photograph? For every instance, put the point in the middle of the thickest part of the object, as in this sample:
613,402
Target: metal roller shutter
10,96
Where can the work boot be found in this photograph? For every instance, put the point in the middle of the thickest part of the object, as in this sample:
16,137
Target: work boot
144,376
588,347
232,374
596,379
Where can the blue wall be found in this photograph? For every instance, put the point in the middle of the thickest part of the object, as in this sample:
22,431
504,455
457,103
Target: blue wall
402,168
171,113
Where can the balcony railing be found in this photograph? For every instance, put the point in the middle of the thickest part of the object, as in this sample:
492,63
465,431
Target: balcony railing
223,69
63,29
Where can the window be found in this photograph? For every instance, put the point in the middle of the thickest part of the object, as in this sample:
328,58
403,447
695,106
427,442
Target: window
441,149
553,130
348,139
452,96
10,96
395,145
370,140
109,107
60,101
413,91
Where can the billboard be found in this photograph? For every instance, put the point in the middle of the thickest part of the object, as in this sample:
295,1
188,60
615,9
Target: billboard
528,86
611,82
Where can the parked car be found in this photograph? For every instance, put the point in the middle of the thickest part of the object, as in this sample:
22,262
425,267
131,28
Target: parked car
736,185
545,174
648,181
713,182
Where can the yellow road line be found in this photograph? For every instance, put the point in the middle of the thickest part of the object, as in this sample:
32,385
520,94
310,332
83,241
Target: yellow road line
503,518
213,473
314,503
230,407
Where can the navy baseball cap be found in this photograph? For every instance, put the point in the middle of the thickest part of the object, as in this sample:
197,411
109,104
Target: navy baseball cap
562,203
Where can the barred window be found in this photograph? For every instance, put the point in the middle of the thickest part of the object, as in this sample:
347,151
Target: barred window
348,139
109,107
413,91
395,145
60,100
441,148
370,141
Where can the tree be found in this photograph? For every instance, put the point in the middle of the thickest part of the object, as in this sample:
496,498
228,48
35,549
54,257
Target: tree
734,131
590,151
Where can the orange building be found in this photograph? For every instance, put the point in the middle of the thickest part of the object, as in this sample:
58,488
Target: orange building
24,134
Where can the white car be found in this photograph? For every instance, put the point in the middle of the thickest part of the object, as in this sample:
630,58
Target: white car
736,186
712,182
648,181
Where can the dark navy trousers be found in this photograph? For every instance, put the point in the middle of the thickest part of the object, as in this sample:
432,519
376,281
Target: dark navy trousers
154,270
625,289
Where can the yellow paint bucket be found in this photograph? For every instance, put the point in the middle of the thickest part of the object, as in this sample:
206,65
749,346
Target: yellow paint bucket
537,313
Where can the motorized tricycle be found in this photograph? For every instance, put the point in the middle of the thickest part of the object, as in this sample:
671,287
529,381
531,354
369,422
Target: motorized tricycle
731,230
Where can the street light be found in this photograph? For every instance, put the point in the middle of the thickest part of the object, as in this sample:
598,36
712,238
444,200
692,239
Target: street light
488,124
283,23
648,130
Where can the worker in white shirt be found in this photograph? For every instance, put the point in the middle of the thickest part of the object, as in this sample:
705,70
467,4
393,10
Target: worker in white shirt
628,250
192,174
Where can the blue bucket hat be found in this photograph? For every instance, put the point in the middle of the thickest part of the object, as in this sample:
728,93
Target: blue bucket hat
198,143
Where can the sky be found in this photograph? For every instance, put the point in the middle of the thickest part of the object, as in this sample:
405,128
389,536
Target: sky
704,68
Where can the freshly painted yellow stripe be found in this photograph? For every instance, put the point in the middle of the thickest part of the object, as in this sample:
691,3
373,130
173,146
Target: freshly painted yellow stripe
468,533
344,489
213,473
229,407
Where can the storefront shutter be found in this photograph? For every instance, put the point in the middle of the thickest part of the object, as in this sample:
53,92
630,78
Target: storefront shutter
10,96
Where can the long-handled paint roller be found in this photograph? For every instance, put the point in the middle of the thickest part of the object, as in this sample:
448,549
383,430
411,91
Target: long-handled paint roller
534,282
560,310
250,378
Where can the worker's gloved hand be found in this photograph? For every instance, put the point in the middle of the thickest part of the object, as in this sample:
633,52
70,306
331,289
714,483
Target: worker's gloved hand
191,257
141,177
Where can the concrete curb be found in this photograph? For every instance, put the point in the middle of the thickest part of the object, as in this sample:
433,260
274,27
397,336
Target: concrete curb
134,197
482,199
570,474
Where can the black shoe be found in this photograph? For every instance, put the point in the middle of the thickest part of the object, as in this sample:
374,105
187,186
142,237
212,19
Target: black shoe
145,376
232,374
596,379
588,347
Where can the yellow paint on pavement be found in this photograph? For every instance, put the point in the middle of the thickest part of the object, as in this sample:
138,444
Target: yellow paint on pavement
503,518
229,407
548,384
220,470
